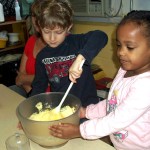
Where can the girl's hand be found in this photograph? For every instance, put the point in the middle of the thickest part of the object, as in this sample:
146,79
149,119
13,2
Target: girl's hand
75,71
65,131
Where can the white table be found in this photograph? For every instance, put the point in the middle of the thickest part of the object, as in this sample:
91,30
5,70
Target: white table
9,100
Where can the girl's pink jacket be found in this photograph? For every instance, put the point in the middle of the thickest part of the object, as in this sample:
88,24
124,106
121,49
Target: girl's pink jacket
128,114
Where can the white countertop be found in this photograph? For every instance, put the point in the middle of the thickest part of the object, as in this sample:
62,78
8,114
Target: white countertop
9,100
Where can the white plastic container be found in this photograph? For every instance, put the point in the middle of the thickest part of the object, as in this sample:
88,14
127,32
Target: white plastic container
17,10
13,37
2,19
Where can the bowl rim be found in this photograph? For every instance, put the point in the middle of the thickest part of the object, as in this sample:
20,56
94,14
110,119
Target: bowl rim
27,119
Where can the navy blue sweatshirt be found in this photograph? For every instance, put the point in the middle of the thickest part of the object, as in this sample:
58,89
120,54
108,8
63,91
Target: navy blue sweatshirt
52,66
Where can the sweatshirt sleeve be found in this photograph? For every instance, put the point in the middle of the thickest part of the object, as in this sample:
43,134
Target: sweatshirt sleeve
40,81
93,42
136,103
96,111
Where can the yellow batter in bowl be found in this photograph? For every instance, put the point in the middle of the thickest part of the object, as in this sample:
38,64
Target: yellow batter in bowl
49,114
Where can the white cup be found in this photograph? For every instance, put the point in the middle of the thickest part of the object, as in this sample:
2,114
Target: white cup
17,142
13,37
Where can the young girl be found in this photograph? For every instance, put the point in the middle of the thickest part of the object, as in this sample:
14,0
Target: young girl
127,120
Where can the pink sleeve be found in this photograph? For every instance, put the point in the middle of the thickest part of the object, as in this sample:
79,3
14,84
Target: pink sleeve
137,103
97,110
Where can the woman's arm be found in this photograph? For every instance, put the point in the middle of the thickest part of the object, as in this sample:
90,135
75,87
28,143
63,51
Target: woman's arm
22,78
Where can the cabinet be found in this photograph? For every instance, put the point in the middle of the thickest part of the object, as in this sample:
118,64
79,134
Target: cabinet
16,27
8,67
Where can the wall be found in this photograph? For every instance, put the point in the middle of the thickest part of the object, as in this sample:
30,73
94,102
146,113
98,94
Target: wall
106,59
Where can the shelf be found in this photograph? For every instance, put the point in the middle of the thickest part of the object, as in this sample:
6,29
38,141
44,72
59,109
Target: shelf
15,27
12,47
12,22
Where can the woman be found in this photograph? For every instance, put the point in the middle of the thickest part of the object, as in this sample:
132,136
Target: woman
27,66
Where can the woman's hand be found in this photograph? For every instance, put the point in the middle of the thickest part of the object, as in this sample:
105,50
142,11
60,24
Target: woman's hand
75,71
24,81
65,131
19,78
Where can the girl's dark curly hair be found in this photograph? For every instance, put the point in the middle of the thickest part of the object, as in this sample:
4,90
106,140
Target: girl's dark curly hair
141,19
